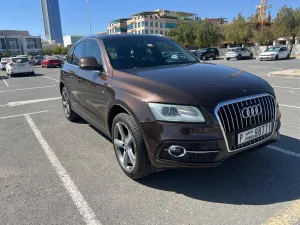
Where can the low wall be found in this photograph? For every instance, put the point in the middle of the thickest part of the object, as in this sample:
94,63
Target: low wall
259,49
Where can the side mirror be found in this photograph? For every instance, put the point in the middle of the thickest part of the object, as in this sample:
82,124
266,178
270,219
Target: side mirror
90,63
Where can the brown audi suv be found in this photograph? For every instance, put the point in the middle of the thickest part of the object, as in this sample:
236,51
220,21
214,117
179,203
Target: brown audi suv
161,106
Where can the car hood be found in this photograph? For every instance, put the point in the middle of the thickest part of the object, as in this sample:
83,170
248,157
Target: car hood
201,83
268,53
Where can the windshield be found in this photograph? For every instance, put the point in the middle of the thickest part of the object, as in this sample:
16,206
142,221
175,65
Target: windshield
202,49
145,51
19,60
273,49
4,59
233,49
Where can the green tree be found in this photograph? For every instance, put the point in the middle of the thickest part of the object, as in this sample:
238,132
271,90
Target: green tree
183,34
287,23
58,50
239,31
207,34
47,51
264,35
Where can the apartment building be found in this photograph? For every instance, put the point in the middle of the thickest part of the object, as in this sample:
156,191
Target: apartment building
118,26
159,21
16,42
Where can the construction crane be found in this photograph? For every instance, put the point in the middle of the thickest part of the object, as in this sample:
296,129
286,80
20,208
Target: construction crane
261,12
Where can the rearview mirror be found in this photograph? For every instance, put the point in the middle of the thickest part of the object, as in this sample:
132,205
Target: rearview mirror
90,63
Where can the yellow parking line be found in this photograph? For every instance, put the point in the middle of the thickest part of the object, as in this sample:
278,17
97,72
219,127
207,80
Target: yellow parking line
289,216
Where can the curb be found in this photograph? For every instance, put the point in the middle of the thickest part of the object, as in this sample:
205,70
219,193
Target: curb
283,76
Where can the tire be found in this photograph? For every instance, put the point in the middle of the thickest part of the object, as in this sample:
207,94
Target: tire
142,165
288,56
32,73
203,58
69,113
251,56
227,59
276,57
239,57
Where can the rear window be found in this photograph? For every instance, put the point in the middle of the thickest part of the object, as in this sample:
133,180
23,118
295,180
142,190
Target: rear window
19,60
4,59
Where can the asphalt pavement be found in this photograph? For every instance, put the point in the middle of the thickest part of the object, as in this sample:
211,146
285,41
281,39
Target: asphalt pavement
53,171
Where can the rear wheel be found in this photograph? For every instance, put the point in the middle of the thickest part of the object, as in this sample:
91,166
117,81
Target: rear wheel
288,56
129,147
69,113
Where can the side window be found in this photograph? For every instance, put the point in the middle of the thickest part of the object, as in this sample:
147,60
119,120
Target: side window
69,58
92,49
283,49
77,53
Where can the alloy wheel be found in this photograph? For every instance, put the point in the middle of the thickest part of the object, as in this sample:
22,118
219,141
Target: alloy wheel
65,103
124,146
204,58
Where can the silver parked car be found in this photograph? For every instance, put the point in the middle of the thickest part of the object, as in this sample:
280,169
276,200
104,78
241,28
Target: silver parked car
238,53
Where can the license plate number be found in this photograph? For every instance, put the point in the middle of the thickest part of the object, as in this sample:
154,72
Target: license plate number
254,133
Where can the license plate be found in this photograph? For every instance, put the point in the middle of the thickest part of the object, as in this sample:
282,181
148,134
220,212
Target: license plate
254,133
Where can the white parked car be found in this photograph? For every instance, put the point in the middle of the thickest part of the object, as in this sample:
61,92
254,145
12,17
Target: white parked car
238,53
19,65
3,63
275,53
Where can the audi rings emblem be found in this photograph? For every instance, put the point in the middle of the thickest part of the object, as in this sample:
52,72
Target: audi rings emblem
251,111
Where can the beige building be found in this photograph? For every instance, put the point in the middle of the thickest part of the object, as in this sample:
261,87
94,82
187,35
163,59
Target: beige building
151,22
158,22
118,26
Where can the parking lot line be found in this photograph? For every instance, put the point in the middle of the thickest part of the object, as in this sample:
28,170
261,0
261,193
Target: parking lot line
290,106
284,151
51,78
7,85
79,201
10,86
11,104
286,87
23,89
6,117
289,216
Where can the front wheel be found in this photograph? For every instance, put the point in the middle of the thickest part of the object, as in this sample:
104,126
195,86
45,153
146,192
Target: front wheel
288,56
204,58
129,147
227,59
239,57
276,57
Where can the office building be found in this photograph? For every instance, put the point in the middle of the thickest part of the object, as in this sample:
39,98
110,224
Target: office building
14,42
52,23
118,26
71,39
152,22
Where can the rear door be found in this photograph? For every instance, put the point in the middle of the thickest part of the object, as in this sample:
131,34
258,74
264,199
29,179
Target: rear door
97,94
69,74
283,52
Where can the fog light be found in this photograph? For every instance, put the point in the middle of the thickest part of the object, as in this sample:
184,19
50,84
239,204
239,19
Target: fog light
176,151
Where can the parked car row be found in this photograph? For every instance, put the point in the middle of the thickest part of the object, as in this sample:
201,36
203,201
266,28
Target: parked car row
239,53
19,65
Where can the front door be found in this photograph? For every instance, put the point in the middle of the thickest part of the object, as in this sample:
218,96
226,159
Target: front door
96,84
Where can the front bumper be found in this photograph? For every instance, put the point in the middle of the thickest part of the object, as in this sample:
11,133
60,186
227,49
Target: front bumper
204,143
266,57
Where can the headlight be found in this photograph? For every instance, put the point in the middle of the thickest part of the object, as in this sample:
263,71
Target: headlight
176,113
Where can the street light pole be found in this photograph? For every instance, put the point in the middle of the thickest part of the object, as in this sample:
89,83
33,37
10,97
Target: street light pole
89,13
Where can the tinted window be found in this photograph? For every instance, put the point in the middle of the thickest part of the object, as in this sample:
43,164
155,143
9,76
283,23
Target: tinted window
283,49
92,49
19,60
77,54
131,52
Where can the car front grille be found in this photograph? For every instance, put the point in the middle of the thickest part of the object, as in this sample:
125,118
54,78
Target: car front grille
232,121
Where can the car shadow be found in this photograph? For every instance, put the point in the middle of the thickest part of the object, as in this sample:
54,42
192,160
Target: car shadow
262,177
3,77
27,75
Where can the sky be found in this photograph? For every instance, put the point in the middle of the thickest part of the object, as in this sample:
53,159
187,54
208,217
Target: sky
27,14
